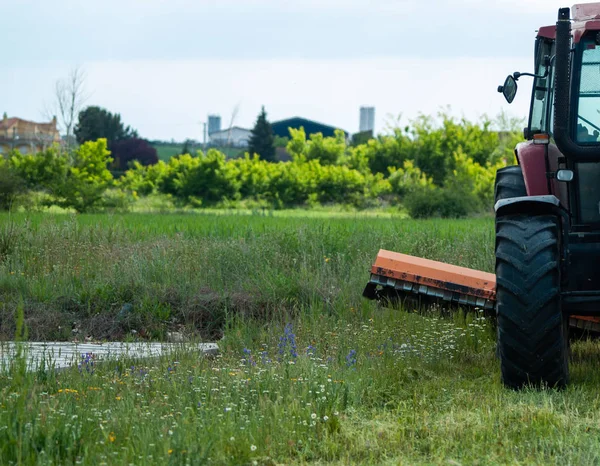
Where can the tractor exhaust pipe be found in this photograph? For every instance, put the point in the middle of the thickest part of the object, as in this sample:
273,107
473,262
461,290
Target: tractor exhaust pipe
562,94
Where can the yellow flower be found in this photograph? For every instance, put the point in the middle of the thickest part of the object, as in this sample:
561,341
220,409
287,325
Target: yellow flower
112,437
118,398
67,390
170,451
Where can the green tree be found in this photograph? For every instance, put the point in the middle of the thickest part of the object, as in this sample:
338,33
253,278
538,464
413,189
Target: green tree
42,170
96,122
262,141
87,178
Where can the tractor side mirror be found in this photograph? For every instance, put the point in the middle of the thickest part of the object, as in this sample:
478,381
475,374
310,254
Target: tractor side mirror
564,175
509,89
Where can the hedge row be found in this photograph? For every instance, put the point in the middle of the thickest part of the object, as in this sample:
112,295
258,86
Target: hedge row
444,169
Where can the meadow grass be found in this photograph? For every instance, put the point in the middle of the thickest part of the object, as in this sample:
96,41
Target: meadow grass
308,371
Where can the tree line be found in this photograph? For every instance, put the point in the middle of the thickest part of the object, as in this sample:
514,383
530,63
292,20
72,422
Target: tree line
439,166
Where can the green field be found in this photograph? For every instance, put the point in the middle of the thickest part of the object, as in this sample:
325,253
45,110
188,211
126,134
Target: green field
309,372
166,151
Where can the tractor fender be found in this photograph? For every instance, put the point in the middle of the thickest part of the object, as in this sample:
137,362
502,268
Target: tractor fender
533,205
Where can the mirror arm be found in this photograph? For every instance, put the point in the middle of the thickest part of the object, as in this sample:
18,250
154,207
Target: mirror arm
517,75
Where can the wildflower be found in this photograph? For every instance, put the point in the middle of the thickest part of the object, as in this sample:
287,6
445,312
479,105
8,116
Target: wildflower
264,357
118,398
252,447
351,358
310,350
170,451
112,437
313,416
68,390
170,432
87,363
325,418
231,439
288,338
249,359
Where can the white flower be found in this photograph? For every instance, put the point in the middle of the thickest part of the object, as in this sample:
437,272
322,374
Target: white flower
313,416
170,432
325,418
231,439
252,447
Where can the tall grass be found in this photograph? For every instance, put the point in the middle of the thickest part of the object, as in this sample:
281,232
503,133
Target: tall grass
192,270
308,371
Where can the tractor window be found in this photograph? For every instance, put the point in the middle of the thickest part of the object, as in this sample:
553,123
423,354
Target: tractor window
539,107
588,112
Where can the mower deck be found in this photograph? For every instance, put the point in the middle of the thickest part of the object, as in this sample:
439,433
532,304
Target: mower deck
399,275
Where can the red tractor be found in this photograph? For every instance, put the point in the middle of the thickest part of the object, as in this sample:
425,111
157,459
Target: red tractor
547,217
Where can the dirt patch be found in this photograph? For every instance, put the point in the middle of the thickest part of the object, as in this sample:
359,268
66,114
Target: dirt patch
202,315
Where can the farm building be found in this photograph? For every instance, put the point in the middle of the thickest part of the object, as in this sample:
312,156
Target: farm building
231,137
26,136
281,128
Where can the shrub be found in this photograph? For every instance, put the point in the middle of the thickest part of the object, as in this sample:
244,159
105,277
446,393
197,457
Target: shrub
327,151
128,150
407,179
144,180
88,177
43,170
11,186
438,202
208,177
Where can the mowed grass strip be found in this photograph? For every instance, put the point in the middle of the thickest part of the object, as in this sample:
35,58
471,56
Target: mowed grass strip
315,374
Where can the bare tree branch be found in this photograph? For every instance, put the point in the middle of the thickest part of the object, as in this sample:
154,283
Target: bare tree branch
69,99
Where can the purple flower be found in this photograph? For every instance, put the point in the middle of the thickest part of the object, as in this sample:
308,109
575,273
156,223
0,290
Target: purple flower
87,363
288,338
264,357
249,359
351,358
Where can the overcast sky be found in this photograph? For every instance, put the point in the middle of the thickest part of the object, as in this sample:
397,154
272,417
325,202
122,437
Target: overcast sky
166,64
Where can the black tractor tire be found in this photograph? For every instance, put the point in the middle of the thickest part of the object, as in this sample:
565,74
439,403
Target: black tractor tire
533,338
509,183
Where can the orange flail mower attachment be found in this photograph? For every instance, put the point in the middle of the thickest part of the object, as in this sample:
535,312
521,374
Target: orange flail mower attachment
589,323
400,275
407,275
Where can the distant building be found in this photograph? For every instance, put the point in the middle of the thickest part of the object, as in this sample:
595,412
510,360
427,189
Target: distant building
214,124
281,128
27,136
231,137
367,119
